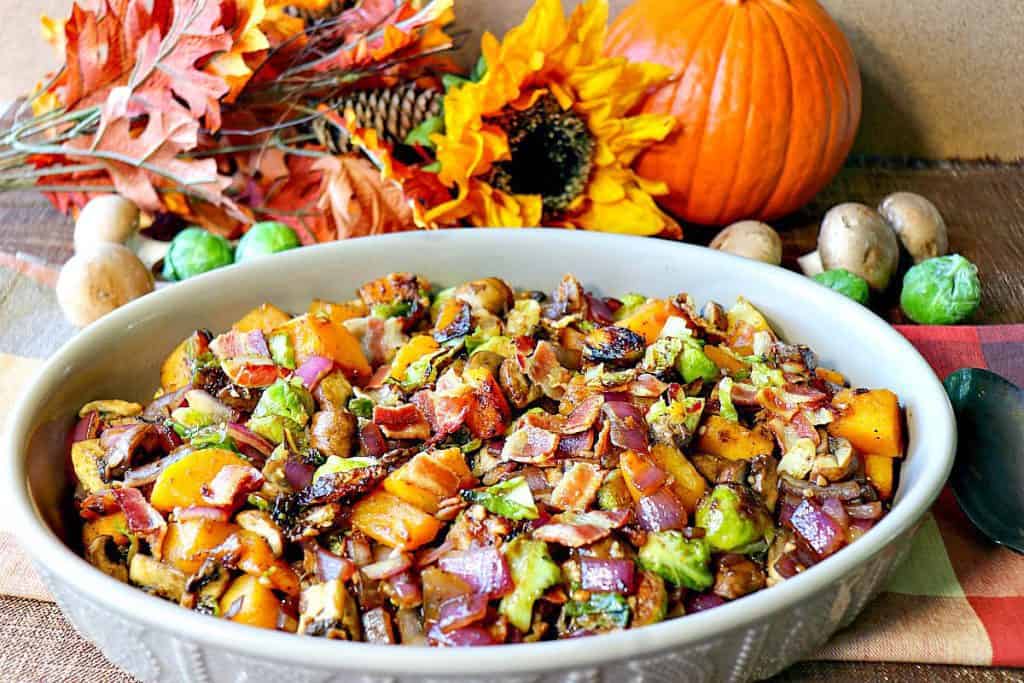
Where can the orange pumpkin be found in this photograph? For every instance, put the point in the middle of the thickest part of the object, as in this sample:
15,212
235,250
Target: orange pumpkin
767,96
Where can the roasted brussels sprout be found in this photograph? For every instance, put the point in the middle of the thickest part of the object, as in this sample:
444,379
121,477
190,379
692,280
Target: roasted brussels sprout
533,572
613,345
680,561
733,518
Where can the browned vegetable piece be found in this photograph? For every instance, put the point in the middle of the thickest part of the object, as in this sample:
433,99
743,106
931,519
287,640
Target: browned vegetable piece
332,432
719,436
613,345
737,576
378,627
329,610
651,599
490,294
764,479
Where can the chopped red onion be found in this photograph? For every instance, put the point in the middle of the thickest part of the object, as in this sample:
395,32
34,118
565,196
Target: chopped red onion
787,566
484,569
244,436
470,636
661,511
299,474
607,576
461,611
86,428
395,563
822,534
865,510
406,590
314,369
330,566
231,485
834,508
699,602
161,408
371,439
147,474
628,427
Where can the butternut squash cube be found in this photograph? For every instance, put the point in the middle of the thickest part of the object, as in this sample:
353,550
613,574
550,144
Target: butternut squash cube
684,479
871,421
265,318
649,318
180,484
247,601
388,519
880,472
732,440
176,370
316,337
189,541
114,525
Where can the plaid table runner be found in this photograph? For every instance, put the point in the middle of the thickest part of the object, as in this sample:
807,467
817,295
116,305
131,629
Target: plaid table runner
958,599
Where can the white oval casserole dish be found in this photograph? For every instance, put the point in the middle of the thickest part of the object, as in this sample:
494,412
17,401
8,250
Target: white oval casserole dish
752,638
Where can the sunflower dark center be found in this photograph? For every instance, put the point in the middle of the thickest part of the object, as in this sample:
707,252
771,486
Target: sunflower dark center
551,152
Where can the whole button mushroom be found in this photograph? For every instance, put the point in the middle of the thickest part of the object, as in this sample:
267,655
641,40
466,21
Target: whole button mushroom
856,238
918,224
99,279
107,218
750,239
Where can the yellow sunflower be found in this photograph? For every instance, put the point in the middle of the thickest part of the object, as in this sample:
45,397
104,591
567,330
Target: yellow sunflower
544,137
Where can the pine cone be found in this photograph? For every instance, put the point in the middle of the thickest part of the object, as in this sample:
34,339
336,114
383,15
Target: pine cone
392,112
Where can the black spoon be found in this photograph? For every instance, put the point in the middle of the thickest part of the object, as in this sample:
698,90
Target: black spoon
988,475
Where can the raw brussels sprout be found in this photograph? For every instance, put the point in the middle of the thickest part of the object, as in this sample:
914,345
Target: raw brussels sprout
692,363
846,283
733,519
511,498
263,239
677,559
941,291
195,251
533,572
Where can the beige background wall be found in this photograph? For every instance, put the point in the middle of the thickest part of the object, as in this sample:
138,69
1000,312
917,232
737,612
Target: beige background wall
942,78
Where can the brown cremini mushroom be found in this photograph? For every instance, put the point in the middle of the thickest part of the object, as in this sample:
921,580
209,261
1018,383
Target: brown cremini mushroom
107,218
750,239
855,237
918,224
96,281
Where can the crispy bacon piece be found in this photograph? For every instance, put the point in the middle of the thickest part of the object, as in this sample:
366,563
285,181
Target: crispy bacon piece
545,370
575,529
231,485
235,344
405,421
142,518
531,445
252,372
647,386
584,415
489,413
578,487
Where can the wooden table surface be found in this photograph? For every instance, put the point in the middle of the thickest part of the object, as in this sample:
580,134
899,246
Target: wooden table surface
983,206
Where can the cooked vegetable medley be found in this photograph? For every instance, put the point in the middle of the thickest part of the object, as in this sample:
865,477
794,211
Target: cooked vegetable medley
476,465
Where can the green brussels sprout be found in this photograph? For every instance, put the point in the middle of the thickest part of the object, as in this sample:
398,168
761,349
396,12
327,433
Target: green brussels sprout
733,519
677,559
846,283
761,375
726,408
361,407
284,399
661,355
511,498
282,351
941,291
273,427
263,239
194,251
533,572
630,302
693,363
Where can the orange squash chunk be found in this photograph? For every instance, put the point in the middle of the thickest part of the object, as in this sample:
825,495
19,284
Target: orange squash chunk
636,469
388,519
724,359
338,312
684,479
414,349
871,421
316,337
880,472
180,484
732,440
176,370
250,602
257,559
115,526
830,376
188,542
649,318
265,318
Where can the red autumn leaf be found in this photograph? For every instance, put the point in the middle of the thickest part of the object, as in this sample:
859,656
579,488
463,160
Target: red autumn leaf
293,198
132,157
359,200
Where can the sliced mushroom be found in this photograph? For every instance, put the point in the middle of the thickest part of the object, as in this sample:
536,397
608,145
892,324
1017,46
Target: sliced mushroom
333,432
750,239
333,392
329,610
204,589
918,224
854,237
103,554
517,387
156,577
764,479
490,294
260,522
810,264
737,576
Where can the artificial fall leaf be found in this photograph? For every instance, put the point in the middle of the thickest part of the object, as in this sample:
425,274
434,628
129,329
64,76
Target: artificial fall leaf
359,200
293,198
133,157
248,38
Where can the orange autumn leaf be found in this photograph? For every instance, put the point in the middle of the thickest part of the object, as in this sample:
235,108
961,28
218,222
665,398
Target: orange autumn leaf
359,200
